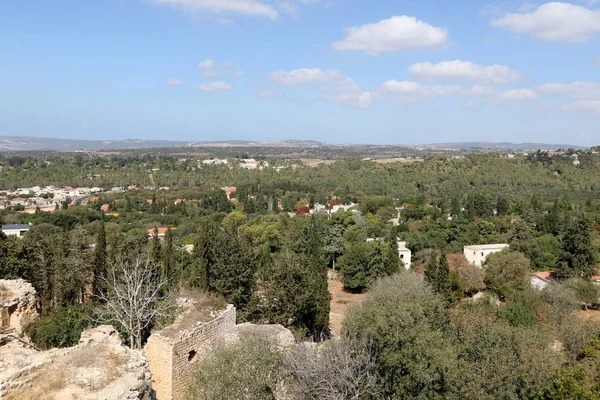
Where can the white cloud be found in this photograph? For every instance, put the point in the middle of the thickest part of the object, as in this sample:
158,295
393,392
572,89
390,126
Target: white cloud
576,90
306,76
174,82
336,87
360,100
554,22
414,91
239,74
215,86
590,106
245,7
465,71
207,64
394,34
519,94
494,96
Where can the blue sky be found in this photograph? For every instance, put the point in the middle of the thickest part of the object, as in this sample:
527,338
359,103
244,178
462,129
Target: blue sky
341,71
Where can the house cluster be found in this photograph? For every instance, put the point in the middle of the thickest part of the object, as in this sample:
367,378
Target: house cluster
332,209
251,163
45,197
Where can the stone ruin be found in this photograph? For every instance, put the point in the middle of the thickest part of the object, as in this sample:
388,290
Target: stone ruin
19,305
98,368
173,353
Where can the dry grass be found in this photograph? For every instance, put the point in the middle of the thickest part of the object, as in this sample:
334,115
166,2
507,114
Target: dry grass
47,380
204,309
5,293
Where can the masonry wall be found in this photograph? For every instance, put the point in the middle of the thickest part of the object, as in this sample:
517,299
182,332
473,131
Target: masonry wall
172,360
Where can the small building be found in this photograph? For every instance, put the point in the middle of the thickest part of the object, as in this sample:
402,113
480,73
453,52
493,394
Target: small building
405,254
17,230
161,232
118,189
477,254
541,280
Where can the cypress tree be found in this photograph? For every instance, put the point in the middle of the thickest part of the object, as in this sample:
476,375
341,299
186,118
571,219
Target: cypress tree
431,270
318,318
202,258
393,259
443,284
99,262
168,258
156,248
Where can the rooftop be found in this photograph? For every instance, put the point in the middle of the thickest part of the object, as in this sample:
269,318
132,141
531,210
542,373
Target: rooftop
15,226
487,246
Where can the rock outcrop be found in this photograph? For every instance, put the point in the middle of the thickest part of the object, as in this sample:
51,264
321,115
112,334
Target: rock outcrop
98,368
19,305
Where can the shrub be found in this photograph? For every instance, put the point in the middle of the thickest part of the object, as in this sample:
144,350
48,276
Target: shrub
60,328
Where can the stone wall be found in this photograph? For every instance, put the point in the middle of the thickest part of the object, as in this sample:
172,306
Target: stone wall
171,356
19,305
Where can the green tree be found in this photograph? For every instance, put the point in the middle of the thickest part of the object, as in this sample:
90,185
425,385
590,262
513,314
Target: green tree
507,273
431,270
502,206
99,263
577,254
442,284
409,343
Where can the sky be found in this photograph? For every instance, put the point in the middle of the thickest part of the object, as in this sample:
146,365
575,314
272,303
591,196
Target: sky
336,71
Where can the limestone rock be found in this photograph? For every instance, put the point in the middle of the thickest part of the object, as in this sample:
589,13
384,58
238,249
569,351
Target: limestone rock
19,305
98,368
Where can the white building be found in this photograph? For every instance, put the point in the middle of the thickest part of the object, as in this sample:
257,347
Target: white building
15,229
405,254
476,255
541,280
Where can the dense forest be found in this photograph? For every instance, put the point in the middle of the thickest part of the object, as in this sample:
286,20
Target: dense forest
418,334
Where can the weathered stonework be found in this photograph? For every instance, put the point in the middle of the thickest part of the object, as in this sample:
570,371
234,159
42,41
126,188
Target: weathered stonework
19,305
172,353
98,368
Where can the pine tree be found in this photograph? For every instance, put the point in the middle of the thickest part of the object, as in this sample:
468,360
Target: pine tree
99,262
431,270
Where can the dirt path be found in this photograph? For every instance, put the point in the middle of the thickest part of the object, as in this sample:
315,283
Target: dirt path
341,301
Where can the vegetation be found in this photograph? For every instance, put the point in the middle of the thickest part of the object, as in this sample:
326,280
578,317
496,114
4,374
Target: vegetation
264,248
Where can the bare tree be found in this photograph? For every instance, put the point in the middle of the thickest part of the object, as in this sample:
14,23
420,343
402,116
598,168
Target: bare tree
136,297
338,370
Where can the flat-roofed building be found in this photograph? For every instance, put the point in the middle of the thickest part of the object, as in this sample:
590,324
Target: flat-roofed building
477,254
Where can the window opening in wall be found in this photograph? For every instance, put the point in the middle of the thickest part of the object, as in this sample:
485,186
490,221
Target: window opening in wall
192,355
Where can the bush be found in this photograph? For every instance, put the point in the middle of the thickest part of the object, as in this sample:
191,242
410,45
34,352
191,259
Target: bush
404,322
250,369
60,328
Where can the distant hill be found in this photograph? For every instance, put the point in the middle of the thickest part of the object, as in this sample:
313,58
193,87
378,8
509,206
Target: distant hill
22,143
502,146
